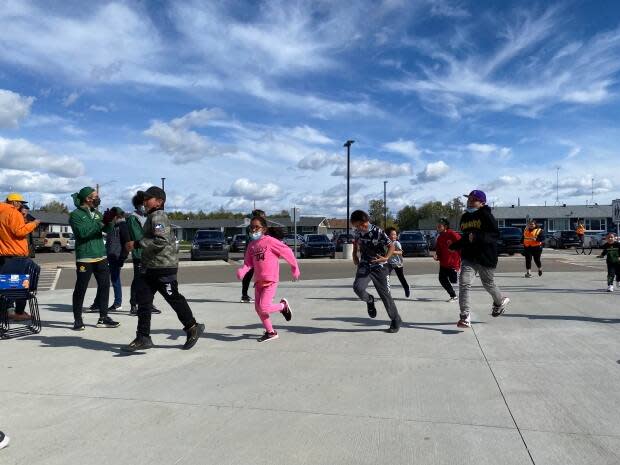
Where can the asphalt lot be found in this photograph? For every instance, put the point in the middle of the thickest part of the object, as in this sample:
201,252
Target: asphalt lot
219,271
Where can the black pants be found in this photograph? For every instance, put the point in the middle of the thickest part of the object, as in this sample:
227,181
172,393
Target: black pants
247,280
85,270
380,277
613,270
400,272
20,305
165,282
532,252
447,277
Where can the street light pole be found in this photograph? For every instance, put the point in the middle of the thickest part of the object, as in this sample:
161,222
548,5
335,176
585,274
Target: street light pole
384,205
347,144
163,184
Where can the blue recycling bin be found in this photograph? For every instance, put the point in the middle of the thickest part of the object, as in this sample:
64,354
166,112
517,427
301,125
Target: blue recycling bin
19,278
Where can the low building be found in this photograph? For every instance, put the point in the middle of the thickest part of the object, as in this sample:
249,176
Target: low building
596,218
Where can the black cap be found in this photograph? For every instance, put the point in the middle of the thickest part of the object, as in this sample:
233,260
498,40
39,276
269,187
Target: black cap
153,192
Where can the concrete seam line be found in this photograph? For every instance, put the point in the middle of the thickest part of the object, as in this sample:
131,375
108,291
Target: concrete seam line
503,397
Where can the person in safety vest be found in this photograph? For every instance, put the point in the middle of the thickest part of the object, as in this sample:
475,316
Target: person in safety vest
581,231
533,241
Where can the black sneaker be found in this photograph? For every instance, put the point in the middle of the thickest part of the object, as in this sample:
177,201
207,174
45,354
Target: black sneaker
268,336
115,308
193,334
246,299
394,327
133,310
139,343
408,291
155,311
94,308
107,322
539,272
287,310
4,440
370,306
498,310
78,326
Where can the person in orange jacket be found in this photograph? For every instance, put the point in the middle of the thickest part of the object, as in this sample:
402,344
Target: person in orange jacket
14,232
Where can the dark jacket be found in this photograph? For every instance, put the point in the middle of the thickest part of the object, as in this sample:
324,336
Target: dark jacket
483,226
116,240
158,243
612,252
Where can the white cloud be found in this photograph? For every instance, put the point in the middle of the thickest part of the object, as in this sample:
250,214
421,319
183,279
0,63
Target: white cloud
310,135
70,99
319,160
485,150
33,181
21,154
100,108
573,186
403,147
432,172
13,108
374,169
501,182
197,118
249,190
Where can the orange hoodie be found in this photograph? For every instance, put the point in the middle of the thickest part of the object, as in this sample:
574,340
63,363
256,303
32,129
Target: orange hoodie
13,231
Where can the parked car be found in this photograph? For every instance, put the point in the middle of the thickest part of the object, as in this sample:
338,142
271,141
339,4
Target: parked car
432,241
54,241
317,245
70,241
209,244
562,240
595,240
510,241
289,240
239,243
414,243
342,239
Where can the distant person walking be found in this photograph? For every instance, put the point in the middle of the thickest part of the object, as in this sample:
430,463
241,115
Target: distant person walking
449,260
396,260
14,231
372,250
533,241
88,226
581,232
478,246
117,254
611,250
247,279
262,257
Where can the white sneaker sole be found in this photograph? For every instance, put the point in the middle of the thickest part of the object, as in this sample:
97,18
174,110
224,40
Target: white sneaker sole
5,442
270,339
287,306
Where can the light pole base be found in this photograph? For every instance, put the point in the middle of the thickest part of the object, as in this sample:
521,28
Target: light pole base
347,251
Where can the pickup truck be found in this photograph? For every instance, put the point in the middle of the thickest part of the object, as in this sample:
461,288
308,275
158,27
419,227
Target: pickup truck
54,241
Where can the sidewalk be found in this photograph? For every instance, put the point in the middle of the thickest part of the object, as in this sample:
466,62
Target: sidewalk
334,389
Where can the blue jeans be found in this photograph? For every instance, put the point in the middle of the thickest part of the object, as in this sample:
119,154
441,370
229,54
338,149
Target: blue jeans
115,279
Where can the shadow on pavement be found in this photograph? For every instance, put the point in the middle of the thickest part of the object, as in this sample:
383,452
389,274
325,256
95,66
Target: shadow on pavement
588,319
370,322
552,290
75,341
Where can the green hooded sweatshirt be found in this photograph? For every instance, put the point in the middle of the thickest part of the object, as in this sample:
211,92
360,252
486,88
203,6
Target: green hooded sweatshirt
88,228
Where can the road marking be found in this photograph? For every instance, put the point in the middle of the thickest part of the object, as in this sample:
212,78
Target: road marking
48,279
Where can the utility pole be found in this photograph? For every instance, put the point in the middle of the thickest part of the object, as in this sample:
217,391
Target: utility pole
592,201
348,144
557,186
384,205
295,230
163,184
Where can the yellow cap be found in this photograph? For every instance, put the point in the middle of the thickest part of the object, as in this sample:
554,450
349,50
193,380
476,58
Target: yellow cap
15,197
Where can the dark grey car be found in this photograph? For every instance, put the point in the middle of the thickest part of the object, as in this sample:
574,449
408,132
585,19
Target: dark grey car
208,245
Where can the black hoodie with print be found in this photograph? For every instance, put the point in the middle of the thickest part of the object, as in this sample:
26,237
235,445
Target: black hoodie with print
483,226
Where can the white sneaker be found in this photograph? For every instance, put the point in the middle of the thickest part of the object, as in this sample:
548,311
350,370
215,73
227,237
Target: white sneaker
610,288
497,311
528,275
4,440
464,322
453,299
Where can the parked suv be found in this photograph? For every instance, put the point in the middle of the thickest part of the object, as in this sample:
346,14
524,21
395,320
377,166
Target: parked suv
414,243
563,239
510,241
289,240
239,243
54,241
317,245
341,240
209,244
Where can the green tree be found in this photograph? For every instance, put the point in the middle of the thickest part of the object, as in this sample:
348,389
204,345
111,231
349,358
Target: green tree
376,212
54,207
407,218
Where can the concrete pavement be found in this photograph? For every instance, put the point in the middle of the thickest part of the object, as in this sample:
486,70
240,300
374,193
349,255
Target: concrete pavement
537,385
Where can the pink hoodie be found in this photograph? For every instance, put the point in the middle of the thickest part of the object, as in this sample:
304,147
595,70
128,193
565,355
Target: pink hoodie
263,255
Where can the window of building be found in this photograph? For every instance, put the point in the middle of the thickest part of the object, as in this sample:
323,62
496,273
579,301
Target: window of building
558,224
596,224
501,223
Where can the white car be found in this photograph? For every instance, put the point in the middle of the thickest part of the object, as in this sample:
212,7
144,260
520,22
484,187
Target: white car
70,241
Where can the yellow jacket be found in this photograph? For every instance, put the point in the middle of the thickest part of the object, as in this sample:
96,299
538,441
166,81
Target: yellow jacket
13,231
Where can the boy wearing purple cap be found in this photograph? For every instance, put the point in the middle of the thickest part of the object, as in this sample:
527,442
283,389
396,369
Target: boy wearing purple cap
478,246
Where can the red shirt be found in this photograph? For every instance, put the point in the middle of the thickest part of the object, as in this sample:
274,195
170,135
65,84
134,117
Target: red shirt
448,258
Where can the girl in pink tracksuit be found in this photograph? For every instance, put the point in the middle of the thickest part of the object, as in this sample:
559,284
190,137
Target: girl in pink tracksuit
263,256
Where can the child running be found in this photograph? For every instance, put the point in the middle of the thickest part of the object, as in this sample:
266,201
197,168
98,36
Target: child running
611,249
396,260
478,246
262,256
375,250
449,260
247,279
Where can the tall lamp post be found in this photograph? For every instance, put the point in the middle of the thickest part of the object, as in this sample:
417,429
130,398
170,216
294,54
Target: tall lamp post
163,184
347,250
384,205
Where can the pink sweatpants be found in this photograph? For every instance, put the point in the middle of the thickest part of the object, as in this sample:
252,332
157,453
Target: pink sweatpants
263,303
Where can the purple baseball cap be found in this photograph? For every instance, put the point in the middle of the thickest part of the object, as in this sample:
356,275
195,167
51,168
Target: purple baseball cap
478,195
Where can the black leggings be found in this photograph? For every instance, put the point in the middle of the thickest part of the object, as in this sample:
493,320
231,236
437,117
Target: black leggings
613,270
532,252
399,270
85,270
447,277
245,284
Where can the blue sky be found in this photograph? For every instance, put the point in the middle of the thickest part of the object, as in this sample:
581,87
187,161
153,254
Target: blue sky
240,102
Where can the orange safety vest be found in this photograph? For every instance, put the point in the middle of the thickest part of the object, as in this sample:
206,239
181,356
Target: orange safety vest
580,230
529,238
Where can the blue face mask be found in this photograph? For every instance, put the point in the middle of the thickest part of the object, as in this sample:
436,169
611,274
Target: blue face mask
256,235
471,209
